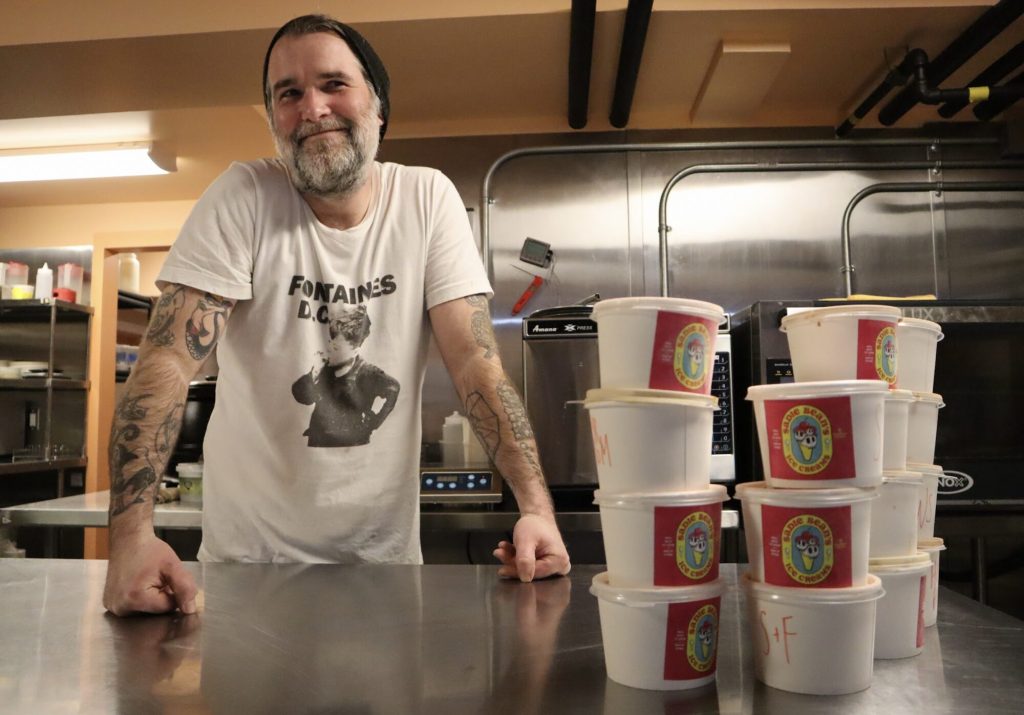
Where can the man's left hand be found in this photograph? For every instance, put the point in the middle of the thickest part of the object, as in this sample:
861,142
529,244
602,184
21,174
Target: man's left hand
537,550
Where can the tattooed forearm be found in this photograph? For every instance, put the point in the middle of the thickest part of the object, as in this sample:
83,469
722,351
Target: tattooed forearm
484,421
134,467
514,409
161,326
204,326
483,333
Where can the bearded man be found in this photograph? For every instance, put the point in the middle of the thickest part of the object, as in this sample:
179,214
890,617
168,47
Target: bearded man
269,253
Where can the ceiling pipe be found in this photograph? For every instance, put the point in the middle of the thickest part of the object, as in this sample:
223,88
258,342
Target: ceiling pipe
980,33
581,51
990,75
634,35
989,109
898,77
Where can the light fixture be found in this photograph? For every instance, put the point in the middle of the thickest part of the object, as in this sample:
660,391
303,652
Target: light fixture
86,162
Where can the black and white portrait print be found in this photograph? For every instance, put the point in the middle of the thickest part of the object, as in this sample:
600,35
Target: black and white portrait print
351,397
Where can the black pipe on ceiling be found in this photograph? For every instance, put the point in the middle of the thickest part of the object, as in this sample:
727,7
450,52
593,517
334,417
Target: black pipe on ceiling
634,35
897,77
581,51
990,108
996,19
989,76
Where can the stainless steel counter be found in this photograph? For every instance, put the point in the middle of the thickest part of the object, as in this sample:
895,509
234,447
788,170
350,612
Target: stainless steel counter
429,639
91,510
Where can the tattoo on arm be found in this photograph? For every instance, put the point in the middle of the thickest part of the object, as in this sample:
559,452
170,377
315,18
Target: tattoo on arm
484,421
204,326
135,468
481,325
161,326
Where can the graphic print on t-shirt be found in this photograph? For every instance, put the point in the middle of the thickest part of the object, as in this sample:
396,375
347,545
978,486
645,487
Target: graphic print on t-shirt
351,397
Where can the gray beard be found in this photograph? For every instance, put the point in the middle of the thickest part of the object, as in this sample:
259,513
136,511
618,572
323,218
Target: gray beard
323,169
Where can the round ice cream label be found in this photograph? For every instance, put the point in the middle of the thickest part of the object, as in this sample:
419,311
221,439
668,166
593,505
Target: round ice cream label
686,541
810,439
805,547
876,345
683,353
691,639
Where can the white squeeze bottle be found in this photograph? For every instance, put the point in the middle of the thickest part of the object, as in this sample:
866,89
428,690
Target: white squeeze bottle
44,282
129,279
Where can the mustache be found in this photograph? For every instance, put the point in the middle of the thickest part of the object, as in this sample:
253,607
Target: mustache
324,125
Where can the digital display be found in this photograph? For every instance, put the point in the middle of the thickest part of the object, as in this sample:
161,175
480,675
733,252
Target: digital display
535,252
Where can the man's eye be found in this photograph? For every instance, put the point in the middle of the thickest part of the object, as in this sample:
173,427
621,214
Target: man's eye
288,94
334,84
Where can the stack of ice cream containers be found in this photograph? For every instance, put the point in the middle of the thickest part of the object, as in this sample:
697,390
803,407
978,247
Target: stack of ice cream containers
836,578
651,423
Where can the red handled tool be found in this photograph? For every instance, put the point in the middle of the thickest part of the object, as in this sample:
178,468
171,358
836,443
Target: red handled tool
536,283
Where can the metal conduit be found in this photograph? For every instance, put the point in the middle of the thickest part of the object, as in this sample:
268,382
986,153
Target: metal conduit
909,187
485,191
664,228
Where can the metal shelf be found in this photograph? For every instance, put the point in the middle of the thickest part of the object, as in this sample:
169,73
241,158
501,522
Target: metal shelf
41,465
42,305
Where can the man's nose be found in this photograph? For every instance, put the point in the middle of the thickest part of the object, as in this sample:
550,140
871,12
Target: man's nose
313,105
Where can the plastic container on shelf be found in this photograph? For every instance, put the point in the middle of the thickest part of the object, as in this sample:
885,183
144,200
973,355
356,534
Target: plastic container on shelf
894,515
190,483
129,273
922,427
918,342
844,342
44,283
816,435
897,415
70,277
662,539
813,641
657,343
930,476
931,546
660,638
651,440
807,538
899,627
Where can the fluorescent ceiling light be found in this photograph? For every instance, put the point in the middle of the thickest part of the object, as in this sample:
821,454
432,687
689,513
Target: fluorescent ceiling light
85,162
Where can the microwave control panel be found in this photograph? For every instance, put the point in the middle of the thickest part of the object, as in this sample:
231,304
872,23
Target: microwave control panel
459,485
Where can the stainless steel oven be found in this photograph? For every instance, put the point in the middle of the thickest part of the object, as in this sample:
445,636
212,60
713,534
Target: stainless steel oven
979,374
560,363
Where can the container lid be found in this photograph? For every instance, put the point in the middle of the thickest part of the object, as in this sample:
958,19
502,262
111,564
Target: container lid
898,476
647,597
675,305
190,469
876,312
912,563
824,388
900,396
563,311
871,591
761,493
930,543
645,500
929,397
931,469
919,324
669,398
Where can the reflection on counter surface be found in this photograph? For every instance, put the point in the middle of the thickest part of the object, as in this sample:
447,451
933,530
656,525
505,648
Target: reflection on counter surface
431,639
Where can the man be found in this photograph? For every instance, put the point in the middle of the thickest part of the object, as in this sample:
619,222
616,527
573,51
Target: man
270,252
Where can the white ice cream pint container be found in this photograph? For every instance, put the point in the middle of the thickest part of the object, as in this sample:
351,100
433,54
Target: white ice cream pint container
669,539
899,627
813,641
651,440
931,474
816,435
922,427
931,546
657,343
807,538
844,342
190,483
894,515
918,342
894,441
660,638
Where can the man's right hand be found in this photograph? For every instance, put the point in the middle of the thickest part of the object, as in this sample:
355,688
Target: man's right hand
144,575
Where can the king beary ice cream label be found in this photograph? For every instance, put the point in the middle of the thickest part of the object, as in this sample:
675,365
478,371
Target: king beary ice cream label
683,356
810,439
686,543
809,546
691,639
876,346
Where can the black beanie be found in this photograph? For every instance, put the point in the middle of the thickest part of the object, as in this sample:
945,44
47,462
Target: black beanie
371,61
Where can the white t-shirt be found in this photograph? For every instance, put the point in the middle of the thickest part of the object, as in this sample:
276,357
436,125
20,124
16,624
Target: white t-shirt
307,462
